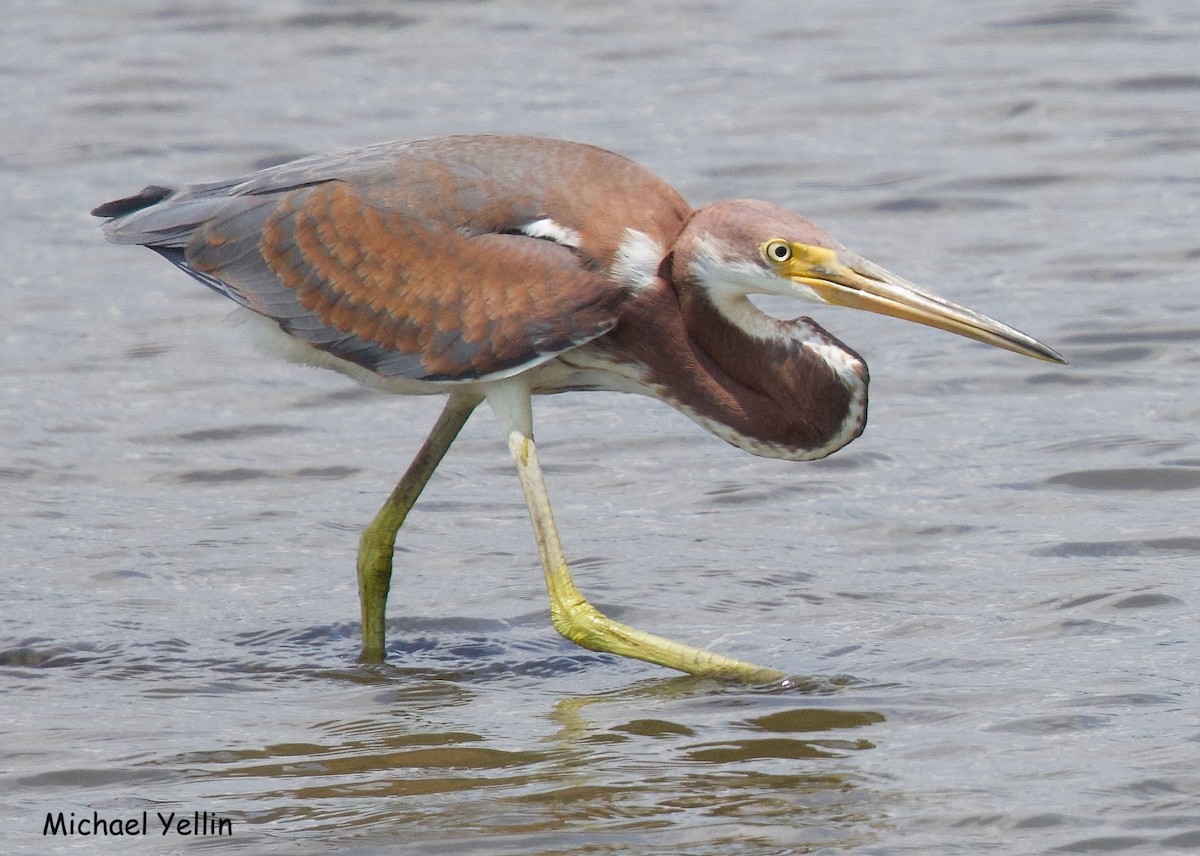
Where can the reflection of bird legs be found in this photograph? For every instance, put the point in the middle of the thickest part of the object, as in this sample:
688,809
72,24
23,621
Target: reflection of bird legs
378,540
573,616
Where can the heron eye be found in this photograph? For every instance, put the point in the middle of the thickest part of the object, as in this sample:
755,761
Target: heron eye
778,251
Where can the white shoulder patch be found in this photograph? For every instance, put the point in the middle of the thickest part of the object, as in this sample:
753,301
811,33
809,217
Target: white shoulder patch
637,260
552,231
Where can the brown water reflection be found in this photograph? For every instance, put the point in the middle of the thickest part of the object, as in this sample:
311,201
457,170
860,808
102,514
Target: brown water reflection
403,777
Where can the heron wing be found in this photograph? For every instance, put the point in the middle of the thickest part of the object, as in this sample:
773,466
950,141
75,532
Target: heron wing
417,260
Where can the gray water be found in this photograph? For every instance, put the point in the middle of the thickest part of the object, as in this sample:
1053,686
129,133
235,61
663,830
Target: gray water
990,597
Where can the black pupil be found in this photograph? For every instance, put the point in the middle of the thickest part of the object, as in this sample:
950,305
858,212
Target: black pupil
780,251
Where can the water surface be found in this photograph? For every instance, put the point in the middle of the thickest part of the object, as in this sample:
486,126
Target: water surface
989,598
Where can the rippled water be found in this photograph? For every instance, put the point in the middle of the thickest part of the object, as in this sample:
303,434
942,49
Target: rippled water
991,596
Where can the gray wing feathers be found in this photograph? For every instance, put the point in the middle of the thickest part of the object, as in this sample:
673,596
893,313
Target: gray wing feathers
239,236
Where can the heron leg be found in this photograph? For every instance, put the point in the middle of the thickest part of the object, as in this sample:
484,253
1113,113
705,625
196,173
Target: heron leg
572,615
378,541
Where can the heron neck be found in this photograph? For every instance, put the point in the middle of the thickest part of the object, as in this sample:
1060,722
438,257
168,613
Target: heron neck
782,389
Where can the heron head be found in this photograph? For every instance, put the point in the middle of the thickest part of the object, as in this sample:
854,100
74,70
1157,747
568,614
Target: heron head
752,247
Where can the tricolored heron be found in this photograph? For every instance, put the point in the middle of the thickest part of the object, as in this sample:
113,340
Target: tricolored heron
497,268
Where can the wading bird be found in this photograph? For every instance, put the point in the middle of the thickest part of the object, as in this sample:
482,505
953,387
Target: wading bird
497,268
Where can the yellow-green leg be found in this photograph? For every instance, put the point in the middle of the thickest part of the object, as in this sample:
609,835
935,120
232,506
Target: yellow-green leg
572,615
378,541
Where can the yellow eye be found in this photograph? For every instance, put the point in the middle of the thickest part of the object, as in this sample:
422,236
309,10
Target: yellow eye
777,251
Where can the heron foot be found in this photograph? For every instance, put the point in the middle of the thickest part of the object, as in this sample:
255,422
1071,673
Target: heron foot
583,624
